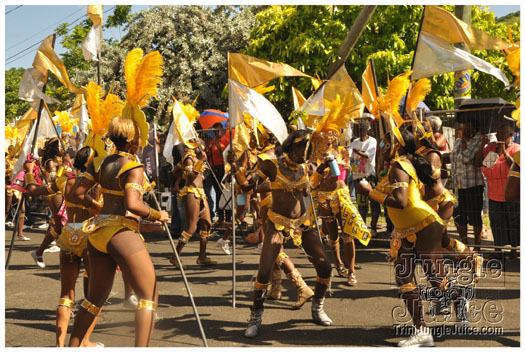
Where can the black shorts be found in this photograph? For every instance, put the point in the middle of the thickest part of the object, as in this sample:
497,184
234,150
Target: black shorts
470,204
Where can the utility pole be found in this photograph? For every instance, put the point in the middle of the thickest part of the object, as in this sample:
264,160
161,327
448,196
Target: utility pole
351,38
462,79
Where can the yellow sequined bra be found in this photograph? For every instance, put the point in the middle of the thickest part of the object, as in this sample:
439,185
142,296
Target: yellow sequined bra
282,182
61,185
97,163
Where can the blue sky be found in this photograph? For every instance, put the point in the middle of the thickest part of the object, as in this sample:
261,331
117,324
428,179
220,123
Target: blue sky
26,26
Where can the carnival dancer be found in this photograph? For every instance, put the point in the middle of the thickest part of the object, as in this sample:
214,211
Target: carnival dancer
334,201
288,216
418,229
51,165
72,240
196,208
113,237
259,183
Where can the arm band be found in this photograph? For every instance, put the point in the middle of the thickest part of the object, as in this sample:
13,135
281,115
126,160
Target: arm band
316,179
29,178
153,215
378,196
188,170
135,186
396,185
511,174
96,207
198,167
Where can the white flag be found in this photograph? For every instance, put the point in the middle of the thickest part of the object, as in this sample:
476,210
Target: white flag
168,146
436,56
45,130
31,89
91,46
242,99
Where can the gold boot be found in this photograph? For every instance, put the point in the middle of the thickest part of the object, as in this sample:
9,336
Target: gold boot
303,291
275,289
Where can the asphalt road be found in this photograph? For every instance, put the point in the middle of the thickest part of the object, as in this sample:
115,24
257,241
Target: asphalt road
364,315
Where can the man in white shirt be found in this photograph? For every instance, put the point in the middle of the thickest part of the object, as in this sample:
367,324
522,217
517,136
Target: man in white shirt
362,164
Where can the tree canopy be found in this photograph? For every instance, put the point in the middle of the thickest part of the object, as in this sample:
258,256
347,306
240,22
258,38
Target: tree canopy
308,37
194,42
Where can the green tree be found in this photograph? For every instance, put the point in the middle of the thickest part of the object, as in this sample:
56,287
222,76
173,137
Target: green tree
308,37
13,106
194,42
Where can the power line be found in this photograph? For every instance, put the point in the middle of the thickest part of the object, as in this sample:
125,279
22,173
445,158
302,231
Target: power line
40,32
8,12
15,58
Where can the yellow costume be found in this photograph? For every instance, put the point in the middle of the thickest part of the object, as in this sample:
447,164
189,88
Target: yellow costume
292,227
197,192
102,228
73,239
415,217
339,201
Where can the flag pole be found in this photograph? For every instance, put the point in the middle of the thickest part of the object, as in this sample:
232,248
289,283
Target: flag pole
176,254
414,56
33,144
232,204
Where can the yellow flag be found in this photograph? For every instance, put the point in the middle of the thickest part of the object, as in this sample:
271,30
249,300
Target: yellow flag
96,14
47,59
340,88
253,72
445,25
368,90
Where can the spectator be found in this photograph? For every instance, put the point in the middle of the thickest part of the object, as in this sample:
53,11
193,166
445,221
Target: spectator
363,155
216,147
468,180
439,138
504,216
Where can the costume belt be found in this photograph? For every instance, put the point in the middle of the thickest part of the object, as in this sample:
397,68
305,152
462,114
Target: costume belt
93,224
292,227
409,234
197,192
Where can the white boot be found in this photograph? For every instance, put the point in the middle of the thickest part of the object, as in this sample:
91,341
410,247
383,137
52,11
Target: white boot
318,314
420,338
254,325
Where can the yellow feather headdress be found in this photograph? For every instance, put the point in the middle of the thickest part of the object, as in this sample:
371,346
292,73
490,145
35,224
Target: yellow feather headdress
397,88
417,94
11,133
101,111
337,117
143,74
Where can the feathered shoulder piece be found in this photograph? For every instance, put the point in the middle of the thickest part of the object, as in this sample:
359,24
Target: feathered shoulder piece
417,94
143,74
397,88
